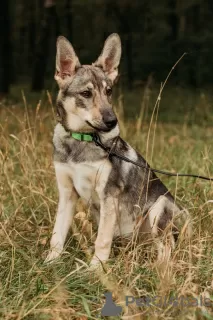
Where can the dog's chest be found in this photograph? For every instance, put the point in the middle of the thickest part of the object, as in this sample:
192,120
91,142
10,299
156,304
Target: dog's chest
89,177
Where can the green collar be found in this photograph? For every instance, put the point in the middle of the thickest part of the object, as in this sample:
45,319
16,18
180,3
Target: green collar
82,136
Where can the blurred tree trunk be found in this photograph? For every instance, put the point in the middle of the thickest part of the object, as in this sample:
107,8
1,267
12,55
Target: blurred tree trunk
5,52
181,19
31,34
173,35
124,27
173,20
69,19
128,45
49,21
108,12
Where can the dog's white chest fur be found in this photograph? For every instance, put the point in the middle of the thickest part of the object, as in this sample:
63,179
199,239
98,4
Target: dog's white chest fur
86,177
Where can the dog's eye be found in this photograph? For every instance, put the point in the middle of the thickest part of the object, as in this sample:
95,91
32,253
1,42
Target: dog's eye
86,94
108,91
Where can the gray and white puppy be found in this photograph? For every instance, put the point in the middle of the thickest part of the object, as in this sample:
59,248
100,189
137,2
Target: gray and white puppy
118,192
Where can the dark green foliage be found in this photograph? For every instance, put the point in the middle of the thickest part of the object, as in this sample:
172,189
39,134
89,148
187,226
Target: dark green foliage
154,35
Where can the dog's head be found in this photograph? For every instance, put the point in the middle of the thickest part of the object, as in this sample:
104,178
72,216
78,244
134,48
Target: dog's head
84,101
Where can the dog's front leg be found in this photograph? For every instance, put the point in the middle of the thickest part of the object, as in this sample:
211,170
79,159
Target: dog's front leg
106,228
66,209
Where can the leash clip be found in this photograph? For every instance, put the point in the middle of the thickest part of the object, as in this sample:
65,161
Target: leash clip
98,143
95,139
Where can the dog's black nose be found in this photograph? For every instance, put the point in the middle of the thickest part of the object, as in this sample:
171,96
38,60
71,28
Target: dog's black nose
110,123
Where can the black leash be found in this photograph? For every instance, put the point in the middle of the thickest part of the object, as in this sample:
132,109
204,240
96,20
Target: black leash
111,153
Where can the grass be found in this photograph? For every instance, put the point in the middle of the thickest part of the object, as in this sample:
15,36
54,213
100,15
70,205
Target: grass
181,140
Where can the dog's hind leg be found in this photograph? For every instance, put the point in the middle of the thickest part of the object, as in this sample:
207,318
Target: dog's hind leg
66,208
160,219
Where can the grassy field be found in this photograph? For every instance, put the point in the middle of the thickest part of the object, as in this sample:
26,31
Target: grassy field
179,141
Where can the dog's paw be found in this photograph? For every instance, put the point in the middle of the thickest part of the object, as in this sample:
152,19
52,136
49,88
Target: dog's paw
96,264
52,256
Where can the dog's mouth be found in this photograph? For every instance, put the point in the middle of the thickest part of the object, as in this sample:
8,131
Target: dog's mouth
100,129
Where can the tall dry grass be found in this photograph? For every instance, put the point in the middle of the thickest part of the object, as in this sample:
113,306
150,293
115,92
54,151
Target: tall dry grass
66,290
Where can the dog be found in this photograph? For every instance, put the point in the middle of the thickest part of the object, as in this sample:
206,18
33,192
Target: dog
119,193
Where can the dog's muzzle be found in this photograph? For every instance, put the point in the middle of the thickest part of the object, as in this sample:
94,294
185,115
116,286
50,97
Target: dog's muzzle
110,123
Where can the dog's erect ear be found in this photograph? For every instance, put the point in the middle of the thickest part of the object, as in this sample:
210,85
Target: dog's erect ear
66,60
110,57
